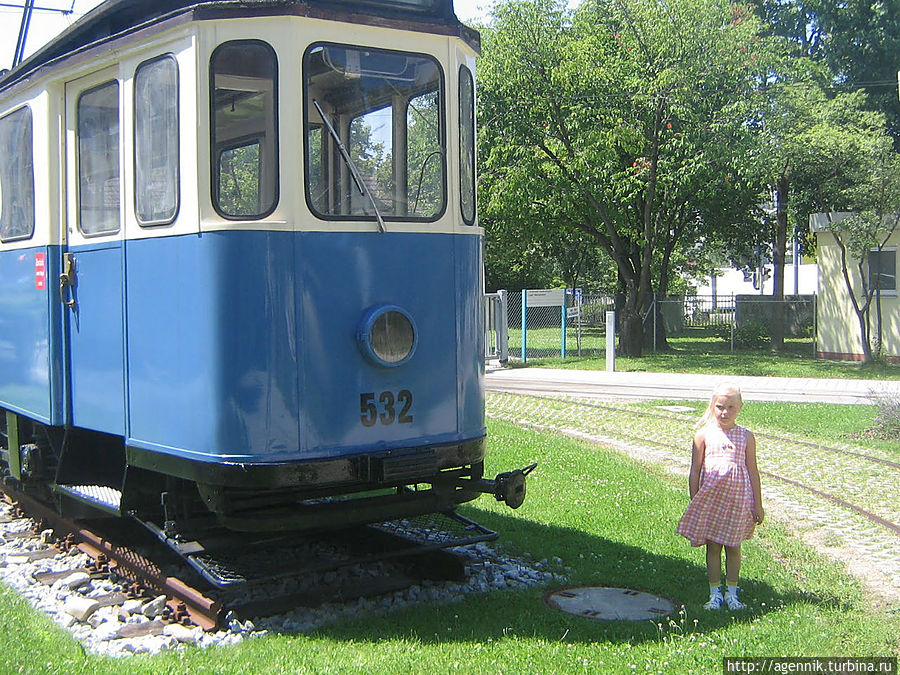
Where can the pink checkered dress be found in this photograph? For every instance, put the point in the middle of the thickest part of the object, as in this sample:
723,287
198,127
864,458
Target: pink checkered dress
722,509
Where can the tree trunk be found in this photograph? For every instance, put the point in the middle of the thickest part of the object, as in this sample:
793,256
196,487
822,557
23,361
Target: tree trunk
631,341
631,323
863,318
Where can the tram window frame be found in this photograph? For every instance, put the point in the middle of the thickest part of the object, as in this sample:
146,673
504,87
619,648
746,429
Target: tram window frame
159,107
467,159
268,202
336,203
114,174
11,190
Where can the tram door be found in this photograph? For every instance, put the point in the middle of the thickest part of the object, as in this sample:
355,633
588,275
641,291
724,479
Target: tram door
91,283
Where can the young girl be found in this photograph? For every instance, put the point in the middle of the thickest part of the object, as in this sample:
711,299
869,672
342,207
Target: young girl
726,500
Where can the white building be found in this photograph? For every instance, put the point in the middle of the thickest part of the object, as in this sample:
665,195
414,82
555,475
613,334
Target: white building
798,280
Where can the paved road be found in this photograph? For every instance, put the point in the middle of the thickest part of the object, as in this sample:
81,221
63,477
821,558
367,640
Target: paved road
622,385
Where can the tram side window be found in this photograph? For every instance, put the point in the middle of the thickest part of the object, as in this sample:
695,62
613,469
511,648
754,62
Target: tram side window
318,188
98,159
244,129
16,176
156,159
467,144
385,109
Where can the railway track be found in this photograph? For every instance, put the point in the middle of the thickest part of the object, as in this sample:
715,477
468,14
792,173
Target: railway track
819,470
261,576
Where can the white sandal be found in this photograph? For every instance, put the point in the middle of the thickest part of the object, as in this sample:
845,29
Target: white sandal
715,602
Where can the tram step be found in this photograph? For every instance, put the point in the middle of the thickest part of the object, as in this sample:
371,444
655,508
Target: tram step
99,496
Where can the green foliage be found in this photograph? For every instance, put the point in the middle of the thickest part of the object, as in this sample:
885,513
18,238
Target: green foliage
886,425
751,335
876,204
620,128
855,39
239,180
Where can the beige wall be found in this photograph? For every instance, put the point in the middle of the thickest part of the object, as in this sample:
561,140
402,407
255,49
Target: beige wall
838,332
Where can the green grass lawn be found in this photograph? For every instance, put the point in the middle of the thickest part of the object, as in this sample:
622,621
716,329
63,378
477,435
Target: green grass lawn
826,423
697,352
612,524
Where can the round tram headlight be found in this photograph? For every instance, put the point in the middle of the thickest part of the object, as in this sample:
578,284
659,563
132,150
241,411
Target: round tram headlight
387,336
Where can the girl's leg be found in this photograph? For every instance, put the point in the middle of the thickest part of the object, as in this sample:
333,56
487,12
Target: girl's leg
714,573
714,563
732,572
732,564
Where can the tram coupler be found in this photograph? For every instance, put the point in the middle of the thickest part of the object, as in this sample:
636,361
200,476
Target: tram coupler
508,487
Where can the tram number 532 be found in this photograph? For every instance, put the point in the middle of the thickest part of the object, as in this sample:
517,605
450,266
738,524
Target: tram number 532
385,407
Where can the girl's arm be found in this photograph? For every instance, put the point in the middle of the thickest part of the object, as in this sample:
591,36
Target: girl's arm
758,512
698,454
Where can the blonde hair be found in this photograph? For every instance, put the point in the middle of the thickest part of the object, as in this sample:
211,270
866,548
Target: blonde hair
722,389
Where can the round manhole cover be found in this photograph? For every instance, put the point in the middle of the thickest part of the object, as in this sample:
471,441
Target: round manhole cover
609,604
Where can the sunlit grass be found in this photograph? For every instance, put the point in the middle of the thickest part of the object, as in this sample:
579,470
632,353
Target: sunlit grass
698,352
611,523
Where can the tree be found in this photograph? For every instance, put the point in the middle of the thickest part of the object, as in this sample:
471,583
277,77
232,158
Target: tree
625,121
858,40
861,239
819,145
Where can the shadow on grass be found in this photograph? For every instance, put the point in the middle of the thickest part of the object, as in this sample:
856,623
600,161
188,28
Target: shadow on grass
487,616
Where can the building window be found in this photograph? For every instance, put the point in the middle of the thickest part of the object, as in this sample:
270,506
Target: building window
883,270
156,141
98,159
16,176
244,125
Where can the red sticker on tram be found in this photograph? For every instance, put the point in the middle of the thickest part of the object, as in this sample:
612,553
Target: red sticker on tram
40,271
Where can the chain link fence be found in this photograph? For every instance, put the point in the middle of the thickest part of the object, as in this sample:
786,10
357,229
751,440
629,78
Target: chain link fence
576,330
740,321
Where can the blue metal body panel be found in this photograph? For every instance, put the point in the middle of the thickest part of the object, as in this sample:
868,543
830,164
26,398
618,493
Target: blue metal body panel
30,340
242,345
96,339
470,330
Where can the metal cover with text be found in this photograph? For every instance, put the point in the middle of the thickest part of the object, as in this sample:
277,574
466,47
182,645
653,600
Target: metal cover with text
609,604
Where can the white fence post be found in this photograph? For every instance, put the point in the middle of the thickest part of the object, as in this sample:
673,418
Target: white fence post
503,329
610,341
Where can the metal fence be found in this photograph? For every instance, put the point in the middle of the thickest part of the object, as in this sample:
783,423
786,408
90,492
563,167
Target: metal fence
741,321
496,327
577,330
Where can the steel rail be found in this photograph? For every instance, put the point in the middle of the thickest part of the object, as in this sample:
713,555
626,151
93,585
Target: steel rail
875,518
181,598
670,416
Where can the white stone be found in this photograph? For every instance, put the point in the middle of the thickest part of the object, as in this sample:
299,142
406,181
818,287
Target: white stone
75,580
81,608
182,633
107,630
155,607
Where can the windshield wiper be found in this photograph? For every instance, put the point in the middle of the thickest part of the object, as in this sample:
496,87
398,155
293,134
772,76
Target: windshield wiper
354,172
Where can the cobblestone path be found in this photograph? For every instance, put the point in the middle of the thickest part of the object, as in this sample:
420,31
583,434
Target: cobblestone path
841,499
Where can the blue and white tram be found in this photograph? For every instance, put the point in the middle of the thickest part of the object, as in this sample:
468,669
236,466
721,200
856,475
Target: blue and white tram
240,269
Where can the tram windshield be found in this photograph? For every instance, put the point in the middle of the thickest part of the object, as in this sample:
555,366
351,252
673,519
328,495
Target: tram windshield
385,109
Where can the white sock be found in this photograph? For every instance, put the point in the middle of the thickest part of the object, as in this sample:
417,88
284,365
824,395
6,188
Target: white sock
732,590
715,591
